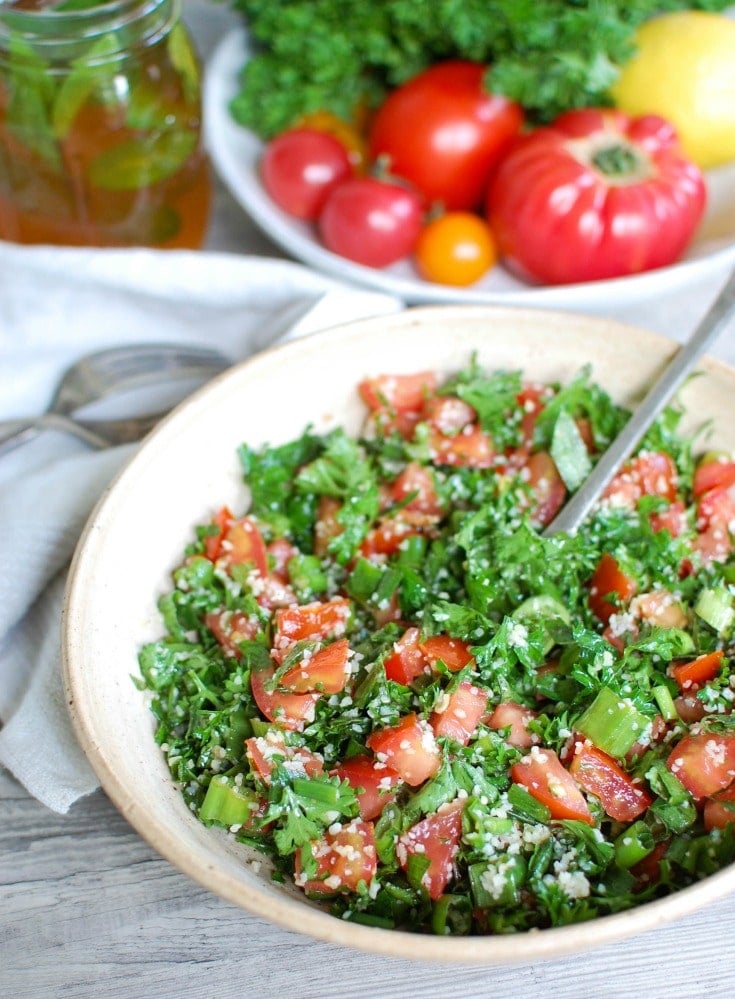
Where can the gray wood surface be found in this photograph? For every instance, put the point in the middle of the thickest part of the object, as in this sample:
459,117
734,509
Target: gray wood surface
88,909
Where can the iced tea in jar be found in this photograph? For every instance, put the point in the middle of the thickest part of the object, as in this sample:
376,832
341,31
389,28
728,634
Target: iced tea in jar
100,125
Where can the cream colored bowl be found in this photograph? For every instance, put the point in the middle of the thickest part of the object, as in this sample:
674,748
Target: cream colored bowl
188,468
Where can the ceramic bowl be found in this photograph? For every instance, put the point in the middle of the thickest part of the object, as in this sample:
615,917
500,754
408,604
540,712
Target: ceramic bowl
188,467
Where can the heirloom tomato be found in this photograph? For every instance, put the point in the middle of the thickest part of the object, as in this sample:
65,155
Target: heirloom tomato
595,195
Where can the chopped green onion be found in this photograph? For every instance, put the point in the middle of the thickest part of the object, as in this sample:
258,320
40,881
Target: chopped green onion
227,804
612,724
633,844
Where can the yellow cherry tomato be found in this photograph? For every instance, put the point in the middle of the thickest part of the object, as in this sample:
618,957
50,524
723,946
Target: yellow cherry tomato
456,249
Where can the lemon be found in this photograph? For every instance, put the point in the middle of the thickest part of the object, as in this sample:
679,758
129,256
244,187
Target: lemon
684,71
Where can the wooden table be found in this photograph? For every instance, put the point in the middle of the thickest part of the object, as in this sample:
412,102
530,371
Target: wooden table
88,909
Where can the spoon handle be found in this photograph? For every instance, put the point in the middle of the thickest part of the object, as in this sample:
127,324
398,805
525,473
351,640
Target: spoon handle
716,317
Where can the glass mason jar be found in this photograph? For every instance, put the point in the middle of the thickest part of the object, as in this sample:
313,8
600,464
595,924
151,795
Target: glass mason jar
100,125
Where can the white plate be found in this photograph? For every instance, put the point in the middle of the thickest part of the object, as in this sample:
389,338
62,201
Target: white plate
235,152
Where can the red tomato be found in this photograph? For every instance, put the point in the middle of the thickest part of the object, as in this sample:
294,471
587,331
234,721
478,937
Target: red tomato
387,537
609,579
409,748
704,763
370,221
444,132
417,481
461,715
719,811
327,526
595,195
544,777
325,672
713,475
437,838
344,858
599,774
698,671
453,652
448,413
230,628
472,448
238,542
300,168
402,393
455,249
263,751
406,660
375,780
516,718
547,486
317,620
652,473
673,519
291,711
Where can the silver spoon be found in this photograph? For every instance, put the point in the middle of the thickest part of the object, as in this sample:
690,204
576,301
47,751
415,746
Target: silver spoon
109,373
715,319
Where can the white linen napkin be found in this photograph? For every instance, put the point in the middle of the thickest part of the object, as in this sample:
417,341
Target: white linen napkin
55,305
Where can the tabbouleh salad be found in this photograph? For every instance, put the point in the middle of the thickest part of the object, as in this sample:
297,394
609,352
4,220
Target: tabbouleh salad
426,712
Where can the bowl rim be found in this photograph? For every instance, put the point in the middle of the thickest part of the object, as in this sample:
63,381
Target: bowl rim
291,913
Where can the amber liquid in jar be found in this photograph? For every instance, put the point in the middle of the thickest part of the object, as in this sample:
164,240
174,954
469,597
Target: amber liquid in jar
100,125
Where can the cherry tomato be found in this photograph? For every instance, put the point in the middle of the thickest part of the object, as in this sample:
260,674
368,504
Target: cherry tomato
370,221
595,195
301,167
444,132
456,249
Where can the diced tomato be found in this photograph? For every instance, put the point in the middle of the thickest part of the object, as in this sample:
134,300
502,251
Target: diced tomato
461,715
713,544
622,798
713,475
704,763
327,525
453,652
608,580
409,748
385,421
272,594
543,776
280,552
415,479
673,519
344,859
693,674
719,811
263,751
660,608
472,448
652,473
242,542
648,871
531,399
715,510
387,537
324,672
689,708
376,781
547,486
399,392
437,839
584,428
317,620
388,612
406,660
230,628
213,542
516,718
448,413
291,711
